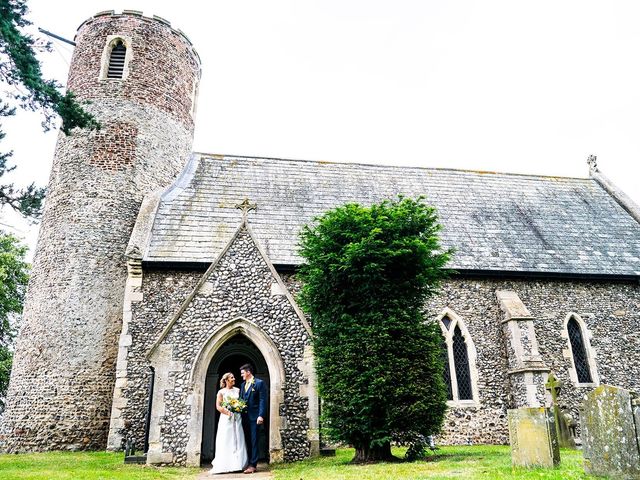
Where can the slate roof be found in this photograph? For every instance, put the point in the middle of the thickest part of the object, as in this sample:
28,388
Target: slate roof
495,221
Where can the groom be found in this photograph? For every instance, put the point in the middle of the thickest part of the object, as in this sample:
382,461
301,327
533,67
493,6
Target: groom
254,392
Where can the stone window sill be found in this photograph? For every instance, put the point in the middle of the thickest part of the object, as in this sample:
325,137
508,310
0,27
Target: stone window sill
462,403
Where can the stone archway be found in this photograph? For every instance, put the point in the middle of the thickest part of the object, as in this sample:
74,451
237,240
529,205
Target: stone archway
197,382
237,351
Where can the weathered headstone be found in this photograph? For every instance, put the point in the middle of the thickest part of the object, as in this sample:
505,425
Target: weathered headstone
565,439
610,433
533,438
568,426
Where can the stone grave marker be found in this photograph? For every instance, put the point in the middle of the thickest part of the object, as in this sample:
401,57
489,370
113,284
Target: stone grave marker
533,438
565,439
610,433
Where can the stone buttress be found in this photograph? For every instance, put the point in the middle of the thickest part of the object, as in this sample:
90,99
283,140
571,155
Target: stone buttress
527,371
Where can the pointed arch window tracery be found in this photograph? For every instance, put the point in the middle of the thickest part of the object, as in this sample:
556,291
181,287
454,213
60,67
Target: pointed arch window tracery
459,354
580,353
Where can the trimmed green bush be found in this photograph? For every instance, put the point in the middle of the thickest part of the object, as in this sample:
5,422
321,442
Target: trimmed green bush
367,273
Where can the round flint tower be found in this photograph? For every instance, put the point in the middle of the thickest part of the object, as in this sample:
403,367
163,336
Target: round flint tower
140,77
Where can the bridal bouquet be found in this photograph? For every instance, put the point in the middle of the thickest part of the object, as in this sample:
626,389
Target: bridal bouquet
235,405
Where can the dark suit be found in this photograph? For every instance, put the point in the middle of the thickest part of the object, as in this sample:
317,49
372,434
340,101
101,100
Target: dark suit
256,398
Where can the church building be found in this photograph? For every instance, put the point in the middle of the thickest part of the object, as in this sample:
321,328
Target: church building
159,269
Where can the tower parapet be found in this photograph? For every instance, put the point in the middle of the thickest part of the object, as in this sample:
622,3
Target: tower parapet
140,77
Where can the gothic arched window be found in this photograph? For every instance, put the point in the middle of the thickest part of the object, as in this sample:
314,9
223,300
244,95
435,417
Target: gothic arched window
116,60
579,351
459,359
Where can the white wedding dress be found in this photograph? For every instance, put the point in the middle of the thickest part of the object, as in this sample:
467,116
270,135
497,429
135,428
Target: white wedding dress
231,449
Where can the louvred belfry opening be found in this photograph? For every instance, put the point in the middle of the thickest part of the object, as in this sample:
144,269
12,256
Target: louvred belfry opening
116,60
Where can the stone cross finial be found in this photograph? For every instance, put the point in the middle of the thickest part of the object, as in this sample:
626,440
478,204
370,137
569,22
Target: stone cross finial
246,207
553,385
593,165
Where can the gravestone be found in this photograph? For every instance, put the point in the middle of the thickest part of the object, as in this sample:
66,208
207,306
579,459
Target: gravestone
533,438
565,439
610,432
568,427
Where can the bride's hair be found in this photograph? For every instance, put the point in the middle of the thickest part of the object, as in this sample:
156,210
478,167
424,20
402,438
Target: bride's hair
223,380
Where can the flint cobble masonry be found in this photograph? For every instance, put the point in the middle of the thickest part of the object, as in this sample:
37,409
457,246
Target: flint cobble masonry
106,287
63,374
611,311
163,72
240,286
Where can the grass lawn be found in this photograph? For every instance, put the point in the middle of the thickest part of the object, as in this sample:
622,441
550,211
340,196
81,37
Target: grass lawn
83,466
486,462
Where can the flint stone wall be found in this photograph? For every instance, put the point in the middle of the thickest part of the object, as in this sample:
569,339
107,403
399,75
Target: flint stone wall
162,292
159,51
63,374
239,287
611,311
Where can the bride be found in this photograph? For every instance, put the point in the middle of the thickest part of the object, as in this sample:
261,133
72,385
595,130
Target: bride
231,450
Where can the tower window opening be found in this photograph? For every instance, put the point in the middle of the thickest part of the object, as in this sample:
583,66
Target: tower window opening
116,60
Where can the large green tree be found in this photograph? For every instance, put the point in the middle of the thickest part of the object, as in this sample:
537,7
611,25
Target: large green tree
367,272
14,275
20,71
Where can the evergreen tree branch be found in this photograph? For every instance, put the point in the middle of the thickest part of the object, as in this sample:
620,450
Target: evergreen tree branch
20,69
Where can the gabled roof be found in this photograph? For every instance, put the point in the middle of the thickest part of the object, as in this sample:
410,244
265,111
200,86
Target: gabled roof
495,221
242,229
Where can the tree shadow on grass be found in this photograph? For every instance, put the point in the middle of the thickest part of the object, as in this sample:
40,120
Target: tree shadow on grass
464,454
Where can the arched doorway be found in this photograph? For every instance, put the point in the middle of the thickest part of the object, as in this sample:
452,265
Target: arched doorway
234,353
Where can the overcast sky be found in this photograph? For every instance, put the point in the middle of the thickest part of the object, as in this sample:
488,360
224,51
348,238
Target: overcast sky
508,86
